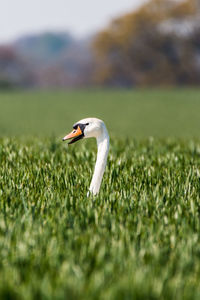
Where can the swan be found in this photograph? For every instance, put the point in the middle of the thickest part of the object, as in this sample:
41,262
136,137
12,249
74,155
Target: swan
88,128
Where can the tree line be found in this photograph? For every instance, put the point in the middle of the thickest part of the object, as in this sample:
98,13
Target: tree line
158,44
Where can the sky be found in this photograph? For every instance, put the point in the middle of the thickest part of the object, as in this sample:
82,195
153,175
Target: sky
79,17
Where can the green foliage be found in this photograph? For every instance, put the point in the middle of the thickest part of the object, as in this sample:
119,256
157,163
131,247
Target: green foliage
6,84
139,239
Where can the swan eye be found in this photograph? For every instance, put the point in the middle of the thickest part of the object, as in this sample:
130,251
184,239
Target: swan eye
87,124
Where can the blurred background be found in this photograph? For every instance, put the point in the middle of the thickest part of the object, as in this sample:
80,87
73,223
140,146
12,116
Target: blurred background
64,60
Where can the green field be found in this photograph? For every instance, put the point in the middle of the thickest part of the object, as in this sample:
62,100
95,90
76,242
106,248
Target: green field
127,113
140,238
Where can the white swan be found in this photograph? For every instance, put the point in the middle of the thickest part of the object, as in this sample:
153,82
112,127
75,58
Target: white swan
87,128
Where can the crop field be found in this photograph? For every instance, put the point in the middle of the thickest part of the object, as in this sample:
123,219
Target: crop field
127,113
140,237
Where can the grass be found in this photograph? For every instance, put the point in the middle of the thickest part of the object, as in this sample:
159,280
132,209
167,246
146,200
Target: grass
139,239
127,113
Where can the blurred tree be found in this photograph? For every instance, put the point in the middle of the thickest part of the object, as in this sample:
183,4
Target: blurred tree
45,47
153,45
13,70
57,59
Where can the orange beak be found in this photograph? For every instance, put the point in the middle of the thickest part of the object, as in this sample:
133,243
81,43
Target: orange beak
76,134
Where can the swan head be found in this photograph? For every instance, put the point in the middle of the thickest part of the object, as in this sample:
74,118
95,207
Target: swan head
86,128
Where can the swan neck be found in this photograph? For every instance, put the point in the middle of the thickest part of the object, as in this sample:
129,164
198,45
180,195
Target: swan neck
102,153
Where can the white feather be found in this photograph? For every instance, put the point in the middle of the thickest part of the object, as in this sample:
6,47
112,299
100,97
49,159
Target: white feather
98,130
